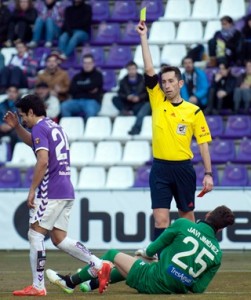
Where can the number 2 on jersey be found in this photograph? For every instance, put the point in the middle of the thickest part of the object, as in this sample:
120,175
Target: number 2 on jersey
56,134
198,260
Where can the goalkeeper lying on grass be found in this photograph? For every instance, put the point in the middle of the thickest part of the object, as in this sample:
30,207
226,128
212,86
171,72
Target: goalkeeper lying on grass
190,258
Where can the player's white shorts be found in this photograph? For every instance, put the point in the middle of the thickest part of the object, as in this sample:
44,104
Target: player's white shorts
51,213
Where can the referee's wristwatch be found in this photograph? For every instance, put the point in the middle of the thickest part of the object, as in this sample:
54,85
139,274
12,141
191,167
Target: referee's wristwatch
209,174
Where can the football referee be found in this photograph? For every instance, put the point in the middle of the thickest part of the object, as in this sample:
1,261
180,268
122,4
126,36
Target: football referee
174,123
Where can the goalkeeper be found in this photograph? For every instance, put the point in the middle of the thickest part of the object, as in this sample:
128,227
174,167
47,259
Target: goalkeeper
190,257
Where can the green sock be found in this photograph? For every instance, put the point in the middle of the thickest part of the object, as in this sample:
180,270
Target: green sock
116,276
84,275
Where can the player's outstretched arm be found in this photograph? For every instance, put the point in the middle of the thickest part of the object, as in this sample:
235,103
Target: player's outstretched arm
147,58
12,120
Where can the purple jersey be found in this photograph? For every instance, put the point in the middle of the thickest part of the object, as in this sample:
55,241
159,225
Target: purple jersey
56,183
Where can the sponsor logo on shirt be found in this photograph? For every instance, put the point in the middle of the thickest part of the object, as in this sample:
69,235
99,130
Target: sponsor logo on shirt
178,274
37,140
181,129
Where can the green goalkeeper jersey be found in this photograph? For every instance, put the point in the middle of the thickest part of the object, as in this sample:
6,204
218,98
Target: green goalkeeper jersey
190,256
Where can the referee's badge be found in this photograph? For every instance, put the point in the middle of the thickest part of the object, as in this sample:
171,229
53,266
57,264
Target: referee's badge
181,129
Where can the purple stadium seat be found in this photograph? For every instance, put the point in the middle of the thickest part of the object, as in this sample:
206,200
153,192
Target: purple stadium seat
154,9
237,71
107,34
98,54
235,175
196,152
142,177
238,127
124,10
100,10
109,79
244,152
216,125
210,73
28,177
130,36
10,177
72,62
72,72
200,170
40,54
118,56
222,151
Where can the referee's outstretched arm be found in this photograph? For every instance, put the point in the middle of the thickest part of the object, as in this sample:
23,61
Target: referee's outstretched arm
142,30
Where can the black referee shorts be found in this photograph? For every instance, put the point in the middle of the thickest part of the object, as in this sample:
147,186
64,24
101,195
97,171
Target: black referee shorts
170,179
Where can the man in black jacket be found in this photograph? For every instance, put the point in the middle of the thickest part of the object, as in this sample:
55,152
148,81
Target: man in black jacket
76,27
132,97
86,90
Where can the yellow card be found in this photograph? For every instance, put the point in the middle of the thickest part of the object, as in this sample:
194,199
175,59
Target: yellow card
143,14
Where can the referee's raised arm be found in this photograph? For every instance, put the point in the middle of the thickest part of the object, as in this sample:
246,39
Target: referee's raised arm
147,58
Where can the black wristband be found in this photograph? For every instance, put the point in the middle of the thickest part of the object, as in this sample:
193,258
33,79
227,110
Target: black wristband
209,174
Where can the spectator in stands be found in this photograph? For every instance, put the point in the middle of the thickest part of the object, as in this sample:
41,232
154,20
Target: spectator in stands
20,68
221,91
76,27
242,93
132,93
57,79
226,44
4,21
195,88
246,33
9,105
49,22
52,104
86,90
21,21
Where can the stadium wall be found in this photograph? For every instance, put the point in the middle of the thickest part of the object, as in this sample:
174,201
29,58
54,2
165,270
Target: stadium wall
121,219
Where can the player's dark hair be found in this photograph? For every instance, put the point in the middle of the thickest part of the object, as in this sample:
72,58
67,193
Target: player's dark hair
31,102
172,69
220,217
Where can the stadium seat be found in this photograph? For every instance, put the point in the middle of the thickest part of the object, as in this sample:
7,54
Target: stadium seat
108,153
124,10
120,128
235,175
100,10
107,107
238,127
161,39
120,177
211,27
8,53
92,178
73,127
10,178
210,72
72,72
130,36
142,177
200,173
195,30
82,153
177,10
40,54
196,152
109,79
146,130
136,153
23,157
118,56
243,154
97,128
173,54
72,62
107,34
234,8
222,151
216,125
74,177
205,10
155,53
28,176
98,54
154,9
